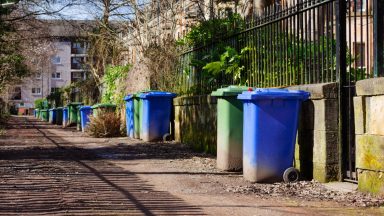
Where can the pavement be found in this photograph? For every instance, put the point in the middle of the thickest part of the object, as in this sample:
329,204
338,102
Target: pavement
48,170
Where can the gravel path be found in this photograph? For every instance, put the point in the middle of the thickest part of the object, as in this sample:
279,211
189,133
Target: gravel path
47,170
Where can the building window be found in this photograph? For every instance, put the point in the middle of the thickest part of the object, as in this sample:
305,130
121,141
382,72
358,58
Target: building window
56,75
78,48
53,90
359,49
15,93
36,91
77,63
56,60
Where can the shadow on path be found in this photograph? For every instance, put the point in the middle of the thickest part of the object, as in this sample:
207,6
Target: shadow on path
45,177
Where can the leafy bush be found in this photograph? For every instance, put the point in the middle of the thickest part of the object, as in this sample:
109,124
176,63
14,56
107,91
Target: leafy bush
112,82
213,30
106,124
41,103
229,64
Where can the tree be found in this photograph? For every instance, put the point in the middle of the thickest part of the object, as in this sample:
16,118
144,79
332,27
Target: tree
11,60
22,35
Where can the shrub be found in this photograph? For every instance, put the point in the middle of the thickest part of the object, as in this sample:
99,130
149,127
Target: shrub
106,124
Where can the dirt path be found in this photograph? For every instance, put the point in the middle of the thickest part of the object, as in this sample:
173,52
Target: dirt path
46,170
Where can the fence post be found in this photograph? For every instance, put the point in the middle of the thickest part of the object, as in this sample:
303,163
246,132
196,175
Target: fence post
341,71
378,35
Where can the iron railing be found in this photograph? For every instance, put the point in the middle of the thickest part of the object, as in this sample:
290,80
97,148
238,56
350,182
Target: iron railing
291,43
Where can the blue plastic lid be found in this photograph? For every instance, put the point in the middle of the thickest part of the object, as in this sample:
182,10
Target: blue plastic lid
85,108
128,97
65,108
269,93
157,94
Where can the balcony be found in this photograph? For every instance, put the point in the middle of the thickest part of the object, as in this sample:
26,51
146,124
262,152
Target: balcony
76,66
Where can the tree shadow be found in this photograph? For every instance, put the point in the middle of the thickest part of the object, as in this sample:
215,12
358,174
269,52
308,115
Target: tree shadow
51,178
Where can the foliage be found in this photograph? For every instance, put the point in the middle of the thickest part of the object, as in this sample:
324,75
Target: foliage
112,79
41,103
55,98
257,59
104,49
213,30
106,124
229,64
11,60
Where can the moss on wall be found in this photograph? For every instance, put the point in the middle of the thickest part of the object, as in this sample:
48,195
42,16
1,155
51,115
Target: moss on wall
372,182
195,122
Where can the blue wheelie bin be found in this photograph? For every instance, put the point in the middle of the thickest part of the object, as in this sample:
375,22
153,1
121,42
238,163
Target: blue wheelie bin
65,117
85,112
269,133
52,116
129,115
156,115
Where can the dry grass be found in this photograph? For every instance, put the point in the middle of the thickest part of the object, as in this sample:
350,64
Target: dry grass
106,124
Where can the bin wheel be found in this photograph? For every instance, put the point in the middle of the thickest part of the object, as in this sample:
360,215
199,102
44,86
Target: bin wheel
291,175
167,137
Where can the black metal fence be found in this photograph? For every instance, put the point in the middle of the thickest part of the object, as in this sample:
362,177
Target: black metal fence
297,42
291,43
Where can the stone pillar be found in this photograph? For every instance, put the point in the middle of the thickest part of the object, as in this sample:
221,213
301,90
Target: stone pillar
316,154
369,129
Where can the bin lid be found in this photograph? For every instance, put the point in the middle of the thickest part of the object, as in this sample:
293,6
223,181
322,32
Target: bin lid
157,94
85,108
232,90
59,108
103,105
65,108
269,93
129,97
44,110
52,109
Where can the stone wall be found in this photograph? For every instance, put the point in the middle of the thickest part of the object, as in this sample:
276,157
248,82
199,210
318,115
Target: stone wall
369,129
195,122
317,150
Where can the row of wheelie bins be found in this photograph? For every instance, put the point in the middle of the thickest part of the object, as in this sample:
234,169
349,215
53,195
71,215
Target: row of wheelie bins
73,114
148,115
256,128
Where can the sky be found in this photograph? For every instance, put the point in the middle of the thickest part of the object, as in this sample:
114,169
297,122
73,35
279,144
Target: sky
77,12
83,10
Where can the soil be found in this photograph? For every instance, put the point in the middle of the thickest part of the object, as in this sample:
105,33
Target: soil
47,170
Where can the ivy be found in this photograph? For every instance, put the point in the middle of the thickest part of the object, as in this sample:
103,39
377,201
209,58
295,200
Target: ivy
112,81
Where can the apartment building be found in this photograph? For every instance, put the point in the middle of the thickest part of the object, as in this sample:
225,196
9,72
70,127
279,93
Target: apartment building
65,64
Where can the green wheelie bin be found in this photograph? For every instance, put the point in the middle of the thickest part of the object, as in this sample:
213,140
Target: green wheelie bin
229,128
137,113
37,113
78,122
72,112
44,115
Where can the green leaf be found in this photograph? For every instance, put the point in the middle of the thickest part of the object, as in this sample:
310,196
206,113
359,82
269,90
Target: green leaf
213,68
